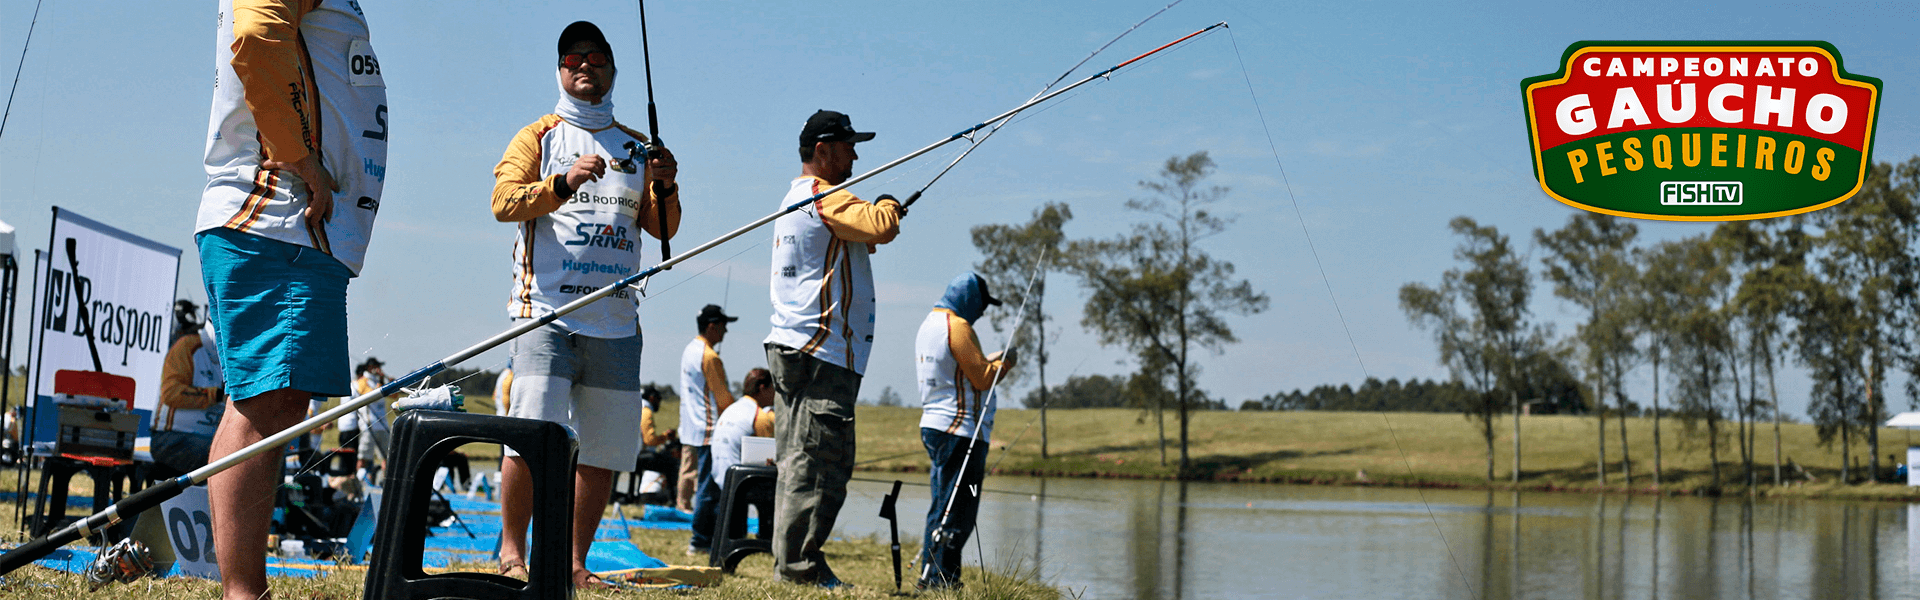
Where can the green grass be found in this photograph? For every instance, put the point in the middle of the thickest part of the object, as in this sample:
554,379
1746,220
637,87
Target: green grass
1423,449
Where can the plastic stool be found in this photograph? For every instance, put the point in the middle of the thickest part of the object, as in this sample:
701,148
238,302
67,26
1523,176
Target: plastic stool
421,439
747,486
50,504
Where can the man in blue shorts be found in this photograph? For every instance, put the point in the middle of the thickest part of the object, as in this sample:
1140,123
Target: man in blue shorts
296,160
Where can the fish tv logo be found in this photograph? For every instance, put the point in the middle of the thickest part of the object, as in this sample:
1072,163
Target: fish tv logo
1701,131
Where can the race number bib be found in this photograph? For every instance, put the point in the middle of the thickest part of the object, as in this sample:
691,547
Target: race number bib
363,68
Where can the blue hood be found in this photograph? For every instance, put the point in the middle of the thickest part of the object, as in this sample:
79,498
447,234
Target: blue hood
966,296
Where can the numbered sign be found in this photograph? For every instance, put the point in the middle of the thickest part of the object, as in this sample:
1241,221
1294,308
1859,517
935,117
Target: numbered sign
190,532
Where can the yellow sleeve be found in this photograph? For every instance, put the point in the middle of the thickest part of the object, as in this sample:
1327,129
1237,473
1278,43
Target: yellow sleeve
267,59
647,435
716,380
966,351
854,220
519,193
763,423
649,216
176,378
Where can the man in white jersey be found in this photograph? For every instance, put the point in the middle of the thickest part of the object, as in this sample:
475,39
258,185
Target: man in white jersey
296,159
740,421
703,395
822,293
375,435
580,202
956,422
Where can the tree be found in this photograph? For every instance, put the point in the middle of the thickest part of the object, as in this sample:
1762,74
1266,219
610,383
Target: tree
1479,319
1013,255
1589,265
1090,391
1867,245
1156,292
888,397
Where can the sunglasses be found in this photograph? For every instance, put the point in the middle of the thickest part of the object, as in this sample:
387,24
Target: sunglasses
598,59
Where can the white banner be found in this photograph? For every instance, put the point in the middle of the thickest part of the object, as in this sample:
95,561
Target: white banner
125,283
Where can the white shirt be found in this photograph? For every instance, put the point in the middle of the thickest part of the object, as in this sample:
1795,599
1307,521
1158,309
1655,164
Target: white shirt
735,424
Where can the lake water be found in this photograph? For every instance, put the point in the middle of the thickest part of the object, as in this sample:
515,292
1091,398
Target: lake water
1116,539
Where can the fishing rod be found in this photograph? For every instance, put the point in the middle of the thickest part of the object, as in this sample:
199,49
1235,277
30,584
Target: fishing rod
915,197
653,129
161,491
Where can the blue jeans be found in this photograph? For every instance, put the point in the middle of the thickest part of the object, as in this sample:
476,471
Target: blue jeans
941,560
706,494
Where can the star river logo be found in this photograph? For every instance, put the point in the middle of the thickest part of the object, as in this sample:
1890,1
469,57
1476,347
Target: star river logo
1701,131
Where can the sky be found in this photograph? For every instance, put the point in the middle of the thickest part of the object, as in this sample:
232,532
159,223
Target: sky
1387,120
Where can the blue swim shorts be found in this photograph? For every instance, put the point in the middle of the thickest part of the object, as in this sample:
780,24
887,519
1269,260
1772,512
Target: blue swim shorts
280,312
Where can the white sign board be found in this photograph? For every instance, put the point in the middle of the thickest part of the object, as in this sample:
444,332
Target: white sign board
190,530
125,284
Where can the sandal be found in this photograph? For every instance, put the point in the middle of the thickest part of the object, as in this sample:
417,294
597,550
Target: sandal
514,569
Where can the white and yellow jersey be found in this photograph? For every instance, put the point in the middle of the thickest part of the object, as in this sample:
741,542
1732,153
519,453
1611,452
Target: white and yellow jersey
703,392
568,247
190,384
292,78
954,377
822,287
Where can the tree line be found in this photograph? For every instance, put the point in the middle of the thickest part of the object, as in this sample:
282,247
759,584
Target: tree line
1710,317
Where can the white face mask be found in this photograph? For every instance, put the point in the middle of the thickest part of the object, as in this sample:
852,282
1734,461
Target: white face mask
579,112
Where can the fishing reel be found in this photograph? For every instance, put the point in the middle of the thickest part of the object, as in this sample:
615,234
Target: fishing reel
637,151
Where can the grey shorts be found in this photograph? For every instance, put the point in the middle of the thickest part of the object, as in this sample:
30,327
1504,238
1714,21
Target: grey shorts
591,385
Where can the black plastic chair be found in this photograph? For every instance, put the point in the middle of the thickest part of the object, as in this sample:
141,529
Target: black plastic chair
747,486
420,440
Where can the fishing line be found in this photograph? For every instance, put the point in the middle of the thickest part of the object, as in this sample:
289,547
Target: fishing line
975,144
1324,280
17,68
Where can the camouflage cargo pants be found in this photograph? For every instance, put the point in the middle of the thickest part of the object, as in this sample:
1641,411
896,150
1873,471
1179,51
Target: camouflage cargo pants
813,449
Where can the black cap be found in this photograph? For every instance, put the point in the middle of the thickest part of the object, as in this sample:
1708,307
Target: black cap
713,314
371,363
583,31
829,126
991,301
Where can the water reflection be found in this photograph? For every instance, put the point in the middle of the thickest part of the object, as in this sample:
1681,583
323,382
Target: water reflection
1159,539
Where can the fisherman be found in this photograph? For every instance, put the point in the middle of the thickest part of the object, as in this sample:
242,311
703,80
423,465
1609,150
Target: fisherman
956,422
703,395
192,400
823,309
579,206
375,435
296,158
742,420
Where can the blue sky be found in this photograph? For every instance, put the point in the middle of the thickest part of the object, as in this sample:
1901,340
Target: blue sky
1389,117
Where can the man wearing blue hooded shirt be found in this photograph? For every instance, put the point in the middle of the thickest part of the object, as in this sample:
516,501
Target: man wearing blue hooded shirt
957,413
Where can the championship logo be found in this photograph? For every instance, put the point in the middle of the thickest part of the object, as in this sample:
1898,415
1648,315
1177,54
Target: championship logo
1701,131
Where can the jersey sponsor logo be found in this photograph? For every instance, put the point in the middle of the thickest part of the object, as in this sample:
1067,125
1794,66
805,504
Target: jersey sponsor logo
582,290
377,170
594,267
600,235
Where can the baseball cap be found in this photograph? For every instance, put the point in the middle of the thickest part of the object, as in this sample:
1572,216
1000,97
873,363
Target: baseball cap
583,31
830,126
991,301
713,314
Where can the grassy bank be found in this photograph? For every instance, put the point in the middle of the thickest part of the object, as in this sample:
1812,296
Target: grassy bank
1416,449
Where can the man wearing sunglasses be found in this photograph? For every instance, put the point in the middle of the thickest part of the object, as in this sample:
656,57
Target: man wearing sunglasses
580,202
